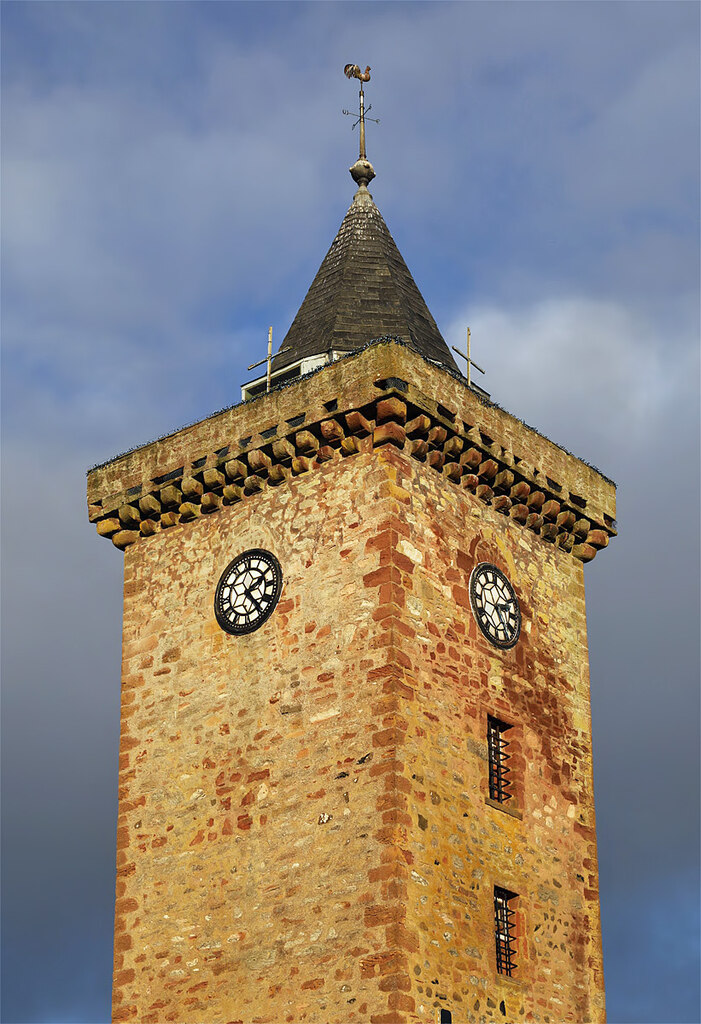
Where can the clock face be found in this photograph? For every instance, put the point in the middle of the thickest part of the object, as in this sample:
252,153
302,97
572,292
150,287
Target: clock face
495,605
248,591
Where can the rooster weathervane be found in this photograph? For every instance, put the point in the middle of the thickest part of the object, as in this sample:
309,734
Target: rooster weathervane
362,170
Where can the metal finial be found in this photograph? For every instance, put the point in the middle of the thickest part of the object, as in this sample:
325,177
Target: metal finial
362,170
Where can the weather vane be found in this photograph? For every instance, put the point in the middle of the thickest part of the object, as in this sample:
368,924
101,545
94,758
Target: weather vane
362,170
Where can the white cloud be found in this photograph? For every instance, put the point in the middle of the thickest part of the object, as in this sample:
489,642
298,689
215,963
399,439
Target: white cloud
598,376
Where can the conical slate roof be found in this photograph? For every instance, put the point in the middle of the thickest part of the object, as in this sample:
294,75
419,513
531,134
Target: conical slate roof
362,290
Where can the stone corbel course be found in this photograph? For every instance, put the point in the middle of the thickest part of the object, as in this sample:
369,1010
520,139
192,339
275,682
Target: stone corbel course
463,455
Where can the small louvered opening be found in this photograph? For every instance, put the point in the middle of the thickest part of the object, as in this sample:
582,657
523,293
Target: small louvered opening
499,782
504,930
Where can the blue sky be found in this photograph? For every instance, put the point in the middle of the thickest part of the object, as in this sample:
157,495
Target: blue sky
172,176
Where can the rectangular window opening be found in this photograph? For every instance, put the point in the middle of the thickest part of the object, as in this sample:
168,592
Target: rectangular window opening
499,781
504,930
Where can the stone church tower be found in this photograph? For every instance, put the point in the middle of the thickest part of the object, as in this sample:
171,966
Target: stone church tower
355,778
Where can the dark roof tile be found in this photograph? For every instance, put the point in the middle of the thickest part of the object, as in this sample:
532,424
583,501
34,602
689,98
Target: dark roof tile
362,290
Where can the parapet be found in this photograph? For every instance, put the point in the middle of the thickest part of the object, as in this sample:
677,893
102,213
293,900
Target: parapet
384,394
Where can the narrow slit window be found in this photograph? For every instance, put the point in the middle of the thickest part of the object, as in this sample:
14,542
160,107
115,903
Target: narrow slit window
446,1017
499,771
504,914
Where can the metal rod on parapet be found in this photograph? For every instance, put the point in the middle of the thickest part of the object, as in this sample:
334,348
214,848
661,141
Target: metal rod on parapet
268,359
470,361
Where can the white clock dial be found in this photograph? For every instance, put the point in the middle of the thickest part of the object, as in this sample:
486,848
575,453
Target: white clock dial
248,591
494,605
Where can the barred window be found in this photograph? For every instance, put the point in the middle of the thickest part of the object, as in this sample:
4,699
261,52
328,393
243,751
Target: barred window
504,930
499,782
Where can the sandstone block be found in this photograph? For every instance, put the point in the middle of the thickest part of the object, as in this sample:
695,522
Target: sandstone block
213,479
520,513
520,491
453,446
232,493
357,424
581,528
210,502
389,432
565,521
349,446
550,510
191,488
283,450
277,475
129,516
391,408
259,462
171,496
419,449
236,470
488,469
502,503
149,505
419,426
437,436
123,538
584,552
188,510
253,484
306,443
332,431
108,527
504,480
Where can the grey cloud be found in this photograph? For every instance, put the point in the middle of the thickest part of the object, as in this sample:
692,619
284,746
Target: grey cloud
172,177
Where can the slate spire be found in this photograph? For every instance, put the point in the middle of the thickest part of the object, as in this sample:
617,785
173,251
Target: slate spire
362,290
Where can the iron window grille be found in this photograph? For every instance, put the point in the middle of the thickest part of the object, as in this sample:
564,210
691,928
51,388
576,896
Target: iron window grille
504,930
499,782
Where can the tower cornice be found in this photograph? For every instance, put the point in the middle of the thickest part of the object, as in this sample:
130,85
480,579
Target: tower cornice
386,394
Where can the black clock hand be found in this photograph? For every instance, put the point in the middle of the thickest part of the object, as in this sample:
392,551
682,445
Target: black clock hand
249,595
504,619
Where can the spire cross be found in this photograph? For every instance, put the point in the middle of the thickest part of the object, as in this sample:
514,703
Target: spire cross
470,361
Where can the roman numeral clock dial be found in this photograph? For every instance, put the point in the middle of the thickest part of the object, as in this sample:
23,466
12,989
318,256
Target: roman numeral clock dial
248,591
494,605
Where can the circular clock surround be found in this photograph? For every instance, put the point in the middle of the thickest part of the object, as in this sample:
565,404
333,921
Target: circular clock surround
495,605
247,592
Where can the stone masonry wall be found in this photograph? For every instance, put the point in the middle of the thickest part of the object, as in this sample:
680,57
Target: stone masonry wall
456,843
304,825
257,772
303,832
